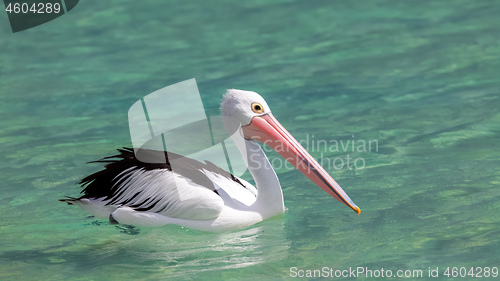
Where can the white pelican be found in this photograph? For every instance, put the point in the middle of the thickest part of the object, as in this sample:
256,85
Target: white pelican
129,191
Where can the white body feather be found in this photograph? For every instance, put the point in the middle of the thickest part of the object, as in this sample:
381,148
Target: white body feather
200,208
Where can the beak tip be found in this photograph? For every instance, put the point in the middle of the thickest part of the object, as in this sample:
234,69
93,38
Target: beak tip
358,210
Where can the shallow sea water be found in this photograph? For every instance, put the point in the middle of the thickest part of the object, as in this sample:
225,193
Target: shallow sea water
418,77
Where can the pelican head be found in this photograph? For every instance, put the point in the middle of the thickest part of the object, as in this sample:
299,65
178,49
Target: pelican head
257,123
243,105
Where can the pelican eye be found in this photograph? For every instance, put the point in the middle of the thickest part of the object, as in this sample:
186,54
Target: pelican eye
257,107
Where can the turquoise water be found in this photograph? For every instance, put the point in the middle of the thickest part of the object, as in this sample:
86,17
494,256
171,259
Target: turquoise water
420,78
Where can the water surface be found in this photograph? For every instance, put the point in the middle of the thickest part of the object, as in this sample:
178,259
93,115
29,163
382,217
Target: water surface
420,78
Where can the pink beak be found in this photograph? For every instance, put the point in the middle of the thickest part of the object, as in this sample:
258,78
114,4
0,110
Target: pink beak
268,130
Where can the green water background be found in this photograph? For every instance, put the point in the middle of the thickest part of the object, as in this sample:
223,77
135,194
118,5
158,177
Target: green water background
420,77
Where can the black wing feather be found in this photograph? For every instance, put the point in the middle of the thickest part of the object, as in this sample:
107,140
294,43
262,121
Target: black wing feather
118,168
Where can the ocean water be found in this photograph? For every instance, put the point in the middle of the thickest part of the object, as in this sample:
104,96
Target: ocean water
419,80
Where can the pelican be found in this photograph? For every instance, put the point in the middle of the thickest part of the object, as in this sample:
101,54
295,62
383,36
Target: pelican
128,191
